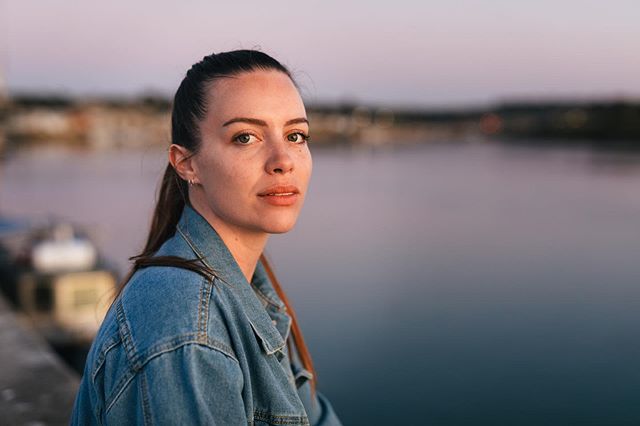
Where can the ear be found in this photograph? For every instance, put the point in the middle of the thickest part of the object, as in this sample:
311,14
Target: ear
182,161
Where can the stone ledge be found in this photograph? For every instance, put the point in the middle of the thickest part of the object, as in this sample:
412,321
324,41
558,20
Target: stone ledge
36,387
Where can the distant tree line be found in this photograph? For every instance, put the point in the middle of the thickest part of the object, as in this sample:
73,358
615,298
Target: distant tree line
600,121
607,123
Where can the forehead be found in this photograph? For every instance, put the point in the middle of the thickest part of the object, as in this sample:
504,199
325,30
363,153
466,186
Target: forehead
267,95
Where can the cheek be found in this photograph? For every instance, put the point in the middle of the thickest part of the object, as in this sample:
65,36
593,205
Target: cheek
229,181
216,178
214,168
306,164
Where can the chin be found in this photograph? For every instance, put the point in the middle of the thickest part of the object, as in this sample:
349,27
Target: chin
279,229
279,225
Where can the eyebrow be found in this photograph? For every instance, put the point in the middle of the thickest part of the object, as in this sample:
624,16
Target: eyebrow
262,122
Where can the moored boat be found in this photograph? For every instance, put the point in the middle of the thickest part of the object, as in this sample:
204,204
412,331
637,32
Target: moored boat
54,275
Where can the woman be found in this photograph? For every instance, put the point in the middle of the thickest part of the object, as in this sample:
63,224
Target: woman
202,332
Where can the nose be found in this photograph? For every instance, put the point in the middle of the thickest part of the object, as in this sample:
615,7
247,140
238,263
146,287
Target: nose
280,160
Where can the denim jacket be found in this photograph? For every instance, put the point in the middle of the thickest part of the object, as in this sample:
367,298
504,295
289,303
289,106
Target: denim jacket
177,349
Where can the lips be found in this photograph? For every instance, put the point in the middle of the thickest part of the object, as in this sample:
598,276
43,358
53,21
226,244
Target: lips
279,191
280,195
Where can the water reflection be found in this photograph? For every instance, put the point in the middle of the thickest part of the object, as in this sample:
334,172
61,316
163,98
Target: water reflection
444,284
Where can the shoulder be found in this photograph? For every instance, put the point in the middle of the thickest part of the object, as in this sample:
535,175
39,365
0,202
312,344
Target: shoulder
162,315
168,384
163,308
190,384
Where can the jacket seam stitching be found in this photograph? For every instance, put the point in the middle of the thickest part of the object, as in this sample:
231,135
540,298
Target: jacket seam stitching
125,333
126,379
146,408
203,309
266,298
102,358
269,349
209,343
119,388
280,419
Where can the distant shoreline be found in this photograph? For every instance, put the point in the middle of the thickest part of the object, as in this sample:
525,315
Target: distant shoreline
143,122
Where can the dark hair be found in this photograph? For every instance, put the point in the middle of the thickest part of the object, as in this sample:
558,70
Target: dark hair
189,108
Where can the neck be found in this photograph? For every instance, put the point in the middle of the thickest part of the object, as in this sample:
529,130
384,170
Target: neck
245,246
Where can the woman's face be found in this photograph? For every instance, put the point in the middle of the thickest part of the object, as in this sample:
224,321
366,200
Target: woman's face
253,165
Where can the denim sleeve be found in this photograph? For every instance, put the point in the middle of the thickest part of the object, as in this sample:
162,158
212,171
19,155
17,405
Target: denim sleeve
319,409
193,384
324,413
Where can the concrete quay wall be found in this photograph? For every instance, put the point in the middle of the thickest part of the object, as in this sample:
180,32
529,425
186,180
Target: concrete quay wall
36,387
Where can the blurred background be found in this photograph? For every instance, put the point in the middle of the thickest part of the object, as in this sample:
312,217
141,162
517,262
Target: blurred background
468,252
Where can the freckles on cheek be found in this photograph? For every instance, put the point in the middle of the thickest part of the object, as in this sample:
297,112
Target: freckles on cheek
235,177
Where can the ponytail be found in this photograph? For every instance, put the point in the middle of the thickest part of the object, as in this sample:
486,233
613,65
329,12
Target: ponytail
169,207
171,201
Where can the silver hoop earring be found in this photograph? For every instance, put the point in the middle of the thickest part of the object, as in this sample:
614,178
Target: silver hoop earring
190,182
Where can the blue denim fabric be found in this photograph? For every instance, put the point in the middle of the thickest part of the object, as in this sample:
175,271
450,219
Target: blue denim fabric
178,349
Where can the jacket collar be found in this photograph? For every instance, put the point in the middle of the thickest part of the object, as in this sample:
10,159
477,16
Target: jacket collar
261,304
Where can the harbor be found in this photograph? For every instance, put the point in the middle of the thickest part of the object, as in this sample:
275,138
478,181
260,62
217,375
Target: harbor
55,289
467,252
494,272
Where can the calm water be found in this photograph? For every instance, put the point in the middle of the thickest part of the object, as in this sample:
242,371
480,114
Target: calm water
447,284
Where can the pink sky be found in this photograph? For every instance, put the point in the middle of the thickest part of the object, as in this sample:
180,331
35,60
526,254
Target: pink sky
397,53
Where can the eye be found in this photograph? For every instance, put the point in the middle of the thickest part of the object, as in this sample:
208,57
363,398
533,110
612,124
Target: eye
244,138
297,137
